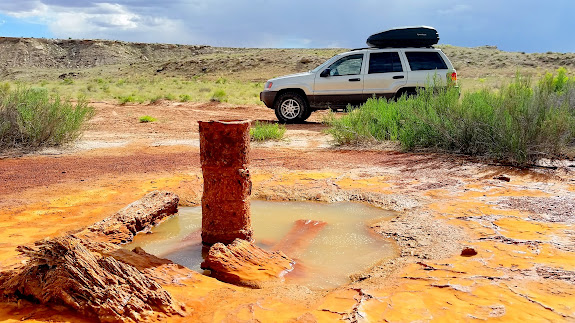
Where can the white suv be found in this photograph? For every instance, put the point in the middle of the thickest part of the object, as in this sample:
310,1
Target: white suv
355,76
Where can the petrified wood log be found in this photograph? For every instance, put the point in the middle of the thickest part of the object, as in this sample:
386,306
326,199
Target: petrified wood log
224,155
72,271
244,263
139,215
299,237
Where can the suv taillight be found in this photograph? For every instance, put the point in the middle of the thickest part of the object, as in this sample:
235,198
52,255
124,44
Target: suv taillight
454,77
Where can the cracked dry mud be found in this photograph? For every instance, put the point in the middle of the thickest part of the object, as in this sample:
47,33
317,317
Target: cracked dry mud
522,230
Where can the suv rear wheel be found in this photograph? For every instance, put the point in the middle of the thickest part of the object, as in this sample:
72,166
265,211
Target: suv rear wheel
291,107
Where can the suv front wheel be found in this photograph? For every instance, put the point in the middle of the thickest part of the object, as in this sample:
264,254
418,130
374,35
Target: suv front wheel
291,107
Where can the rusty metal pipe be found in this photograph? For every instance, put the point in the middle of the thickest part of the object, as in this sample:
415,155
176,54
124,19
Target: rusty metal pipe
224,156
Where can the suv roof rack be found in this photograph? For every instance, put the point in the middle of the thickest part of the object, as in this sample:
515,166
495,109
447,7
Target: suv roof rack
384,47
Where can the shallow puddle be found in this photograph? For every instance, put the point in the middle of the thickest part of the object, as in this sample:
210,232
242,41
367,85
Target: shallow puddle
326,257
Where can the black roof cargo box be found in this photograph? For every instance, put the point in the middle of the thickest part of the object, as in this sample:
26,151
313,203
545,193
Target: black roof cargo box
420,36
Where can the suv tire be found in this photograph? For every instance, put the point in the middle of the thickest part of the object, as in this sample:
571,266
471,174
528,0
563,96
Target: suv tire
291,107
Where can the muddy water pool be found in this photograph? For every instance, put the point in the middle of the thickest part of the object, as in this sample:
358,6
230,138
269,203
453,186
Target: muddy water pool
344,245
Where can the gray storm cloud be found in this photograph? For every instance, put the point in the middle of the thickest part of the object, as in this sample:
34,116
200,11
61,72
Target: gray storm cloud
299,23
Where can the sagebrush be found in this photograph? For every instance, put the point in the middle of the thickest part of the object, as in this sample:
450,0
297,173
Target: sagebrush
520,124
31,118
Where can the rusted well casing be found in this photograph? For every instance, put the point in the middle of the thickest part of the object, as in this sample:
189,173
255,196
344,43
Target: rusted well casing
224,155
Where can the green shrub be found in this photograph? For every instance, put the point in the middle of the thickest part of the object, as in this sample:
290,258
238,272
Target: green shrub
4,88
261,131
105,88
123,99
519,124
31,118
219,96
185,97
170,97
144,119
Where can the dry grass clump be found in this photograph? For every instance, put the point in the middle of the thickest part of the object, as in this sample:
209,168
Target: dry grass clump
262,131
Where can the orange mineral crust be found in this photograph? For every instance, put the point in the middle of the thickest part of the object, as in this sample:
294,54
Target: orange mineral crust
521,232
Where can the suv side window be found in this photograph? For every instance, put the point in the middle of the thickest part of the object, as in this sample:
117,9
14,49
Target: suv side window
384,63
349,65
424,61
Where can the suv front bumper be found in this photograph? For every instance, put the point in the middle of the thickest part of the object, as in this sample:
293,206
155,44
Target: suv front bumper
268,98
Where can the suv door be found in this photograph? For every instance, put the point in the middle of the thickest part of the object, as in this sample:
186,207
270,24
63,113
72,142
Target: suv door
341,83
385,74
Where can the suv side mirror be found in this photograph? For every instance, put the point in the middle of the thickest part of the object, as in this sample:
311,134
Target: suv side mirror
325,73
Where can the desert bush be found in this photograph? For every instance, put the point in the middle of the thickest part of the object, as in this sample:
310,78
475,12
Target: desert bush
219,96
169,97
261,131
156,99
519,124
31,118
126,99
185,97
146,118
131,98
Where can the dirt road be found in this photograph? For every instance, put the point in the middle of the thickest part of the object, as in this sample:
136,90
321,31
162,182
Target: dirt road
522,229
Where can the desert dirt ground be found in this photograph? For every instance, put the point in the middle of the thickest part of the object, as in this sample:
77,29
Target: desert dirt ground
519,221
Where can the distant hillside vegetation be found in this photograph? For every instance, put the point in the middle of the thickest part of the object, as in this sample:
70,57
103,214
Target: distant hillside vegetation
27,58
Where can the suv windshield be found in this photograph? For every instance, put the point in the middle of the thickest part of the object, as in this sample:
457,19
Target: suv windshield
348,65
326,63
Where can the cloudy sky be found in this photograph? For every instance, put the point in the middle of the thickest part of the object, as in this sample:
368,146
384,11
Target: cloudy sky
512,25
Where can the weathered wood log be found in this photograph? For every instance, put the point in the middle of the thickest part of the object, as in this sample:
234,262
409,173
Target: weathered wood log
244,263
139,215
78,273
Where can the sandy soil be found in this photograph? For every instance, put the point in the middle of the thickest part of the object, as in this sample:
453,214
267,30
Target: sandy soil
521,229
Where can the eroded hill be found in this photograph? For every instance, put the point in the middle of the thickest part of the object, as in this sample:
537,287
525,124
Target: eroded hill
28,58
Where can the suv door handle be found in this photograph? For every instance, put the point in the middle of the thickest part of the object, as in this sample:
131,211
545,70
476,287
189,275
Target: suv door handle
355,80
398,77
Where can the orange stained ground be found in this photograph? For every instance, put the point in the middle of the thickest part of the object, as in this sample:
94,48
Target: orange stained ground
503,282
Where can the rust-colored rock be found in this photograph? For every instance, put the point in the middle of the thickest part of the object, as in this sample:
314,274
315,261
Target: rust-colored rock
80,274
224,155
299,237
244,263
503,178
139,215
468,252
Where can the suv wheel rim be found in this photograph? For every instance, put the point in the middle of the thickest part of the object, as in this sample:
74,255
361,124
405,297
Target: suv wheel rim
290,108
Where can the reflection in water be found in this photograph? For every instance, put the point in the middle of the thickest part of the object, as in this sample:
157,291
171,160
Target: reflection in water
341,247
